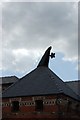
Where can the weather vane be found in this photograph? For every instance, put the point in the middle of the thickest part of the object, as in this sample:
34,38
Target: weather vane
52,55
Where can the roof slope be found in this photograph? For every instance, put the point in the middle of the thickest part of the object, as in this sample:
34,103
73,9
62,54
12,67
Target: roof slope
75,86
41,81
8,79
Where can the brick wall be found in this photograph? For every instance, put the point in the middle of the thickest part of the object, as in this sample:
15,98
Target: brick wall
53,106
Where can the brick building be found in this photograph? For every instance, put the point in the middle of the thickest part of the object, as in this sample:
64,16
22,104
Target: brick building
41,94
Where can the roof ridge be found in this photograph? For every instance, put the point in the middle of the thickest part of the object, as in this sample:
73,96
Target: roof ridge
58,87
72,81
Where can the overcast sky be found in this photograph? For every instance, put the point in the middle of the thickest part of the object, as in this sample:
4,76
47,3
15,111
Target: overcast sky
29,28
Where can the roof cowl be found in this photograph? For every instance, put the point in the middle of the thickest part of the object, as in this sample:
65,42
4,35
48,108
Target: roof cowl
45,58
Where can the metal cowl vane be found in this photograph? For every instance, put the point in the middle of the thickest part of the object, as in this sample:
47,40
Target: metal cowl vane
45,59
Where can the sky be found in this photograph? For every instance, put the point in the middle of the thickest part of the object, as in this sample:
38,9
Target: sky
29,28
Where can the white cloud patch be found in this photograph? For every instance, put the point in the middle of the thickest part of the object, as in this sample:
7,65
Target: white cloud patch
30,27
20,52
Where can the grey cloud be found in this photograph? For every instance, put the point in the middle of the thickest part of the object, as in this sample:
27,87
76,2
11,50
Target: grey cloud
79,40
37,21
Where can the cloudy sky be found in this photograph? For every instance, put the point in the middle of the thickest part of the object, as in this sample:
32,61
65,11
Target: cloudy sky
29,28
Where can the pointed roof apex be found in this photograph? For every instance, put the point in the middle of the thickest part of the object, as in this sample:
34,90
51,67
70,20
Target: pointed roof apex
45,59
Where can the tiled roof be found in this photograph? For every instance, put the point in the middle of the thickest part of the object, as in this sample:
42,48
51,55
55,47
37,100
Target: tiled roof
41,81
